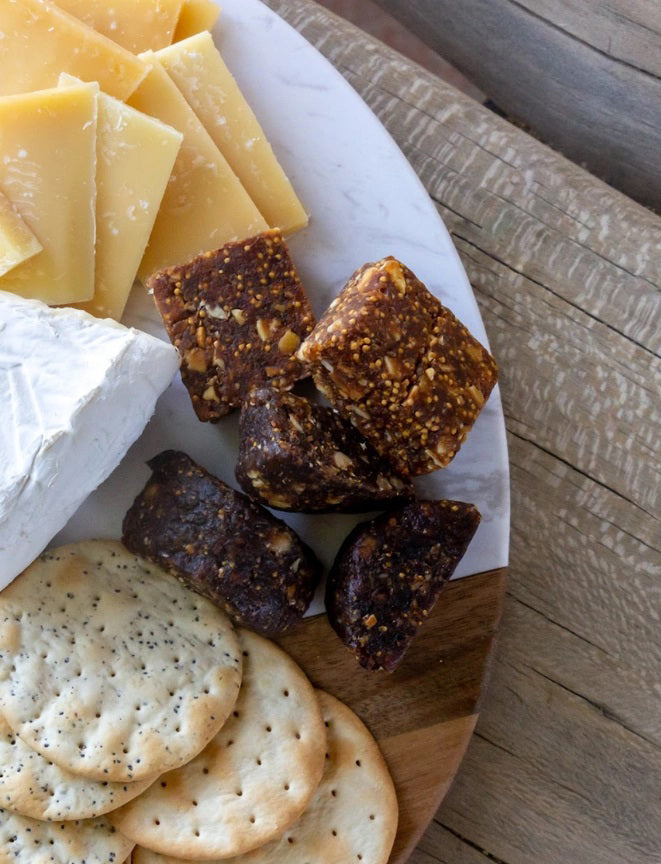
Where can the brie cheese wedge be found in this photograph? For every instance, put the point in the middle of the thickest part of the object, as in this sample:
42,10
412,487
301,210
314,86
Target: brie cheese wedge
76,392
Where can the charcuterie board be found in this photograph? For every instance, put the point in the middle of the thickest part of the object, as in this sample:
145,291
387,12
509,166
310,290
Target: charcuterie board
365,202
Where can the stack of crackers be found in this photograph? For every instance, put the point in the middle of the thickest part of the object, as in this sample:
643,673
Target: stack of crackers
138,725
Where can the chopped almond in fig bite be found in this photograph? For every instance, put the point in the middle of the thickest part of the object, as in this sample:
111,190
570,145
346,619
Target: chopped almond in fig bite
389,573
237,315
390,357
297,455
221,545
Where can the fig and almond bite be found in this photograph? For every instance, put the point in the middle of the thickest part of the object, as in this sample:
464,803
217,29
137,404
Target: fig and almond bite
300,456
389,573
222,545
390,357
236,315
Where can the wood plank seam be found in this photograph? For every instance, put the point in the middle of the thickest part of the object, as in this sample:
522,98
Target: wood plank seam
574,38
574,793
483,852
583,473
574,304
602,709
555,623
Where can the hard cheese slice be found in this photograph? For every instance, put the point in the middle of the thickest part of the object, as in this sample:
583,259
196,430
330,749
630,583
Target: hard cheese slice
135,156
198,70
47,167
76,392
142,26
39,41
17,242
195,16
205,205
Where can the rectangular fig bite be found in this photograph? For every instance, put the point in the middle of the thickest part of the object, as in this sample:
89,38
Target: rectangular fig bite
297,455
390,357
221,545
388,575
237,315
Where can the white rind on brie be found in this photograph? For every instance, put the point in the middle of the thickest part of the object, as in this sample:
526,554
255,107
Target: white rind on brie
76,392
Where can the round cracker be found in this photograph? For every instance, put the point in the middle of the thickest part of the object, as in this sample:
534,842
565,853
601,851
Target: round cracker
111,668
33,786
252,781
88,841
352,816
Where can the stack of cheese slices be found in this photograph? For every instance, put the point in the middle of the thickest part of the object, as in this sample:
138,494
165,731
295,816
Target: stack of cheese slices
136,724
136,721
125,146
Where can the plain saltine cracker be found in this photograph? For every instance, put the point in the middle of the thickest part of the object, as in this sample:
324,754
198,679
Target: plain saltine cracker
353,815
252,781
109,667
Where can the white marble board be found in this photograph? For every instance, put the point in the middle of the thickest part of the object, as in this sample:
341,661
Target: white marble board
365,202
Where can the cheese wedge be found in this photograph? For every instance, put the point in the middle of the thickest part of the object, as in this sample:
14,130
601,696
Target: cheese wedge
47,167
198,70
76,392
17,242
204,205
39,41
135,156
195,16
149,24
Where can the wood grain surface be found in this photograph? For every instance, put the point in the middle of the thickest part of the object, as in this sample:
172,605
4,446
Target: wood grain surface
423,714
565,762
583,74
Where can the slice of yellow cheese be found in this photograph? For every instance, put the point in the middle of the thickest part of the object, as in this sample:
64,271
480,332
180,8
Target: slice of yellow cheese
47,167
204,205
39,41
135,156
17,242
195,16
142,26
198,70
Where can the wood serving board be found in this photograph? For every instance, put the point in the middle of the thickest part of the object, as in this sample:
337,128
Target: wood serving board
424,713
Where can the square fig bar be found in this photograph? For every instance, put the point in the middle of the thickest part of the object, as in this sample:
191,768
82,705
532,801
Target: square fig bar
237,316
390,357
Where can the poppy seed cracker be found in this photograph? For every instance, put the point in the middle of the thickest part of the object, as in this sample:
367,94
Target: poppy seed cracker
389,356
237,316
109,667
252,781
85,841
31,785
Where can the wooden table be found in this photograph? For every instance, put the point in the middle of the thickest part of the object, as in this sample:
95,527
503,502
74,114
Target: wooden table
564,764
584,76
